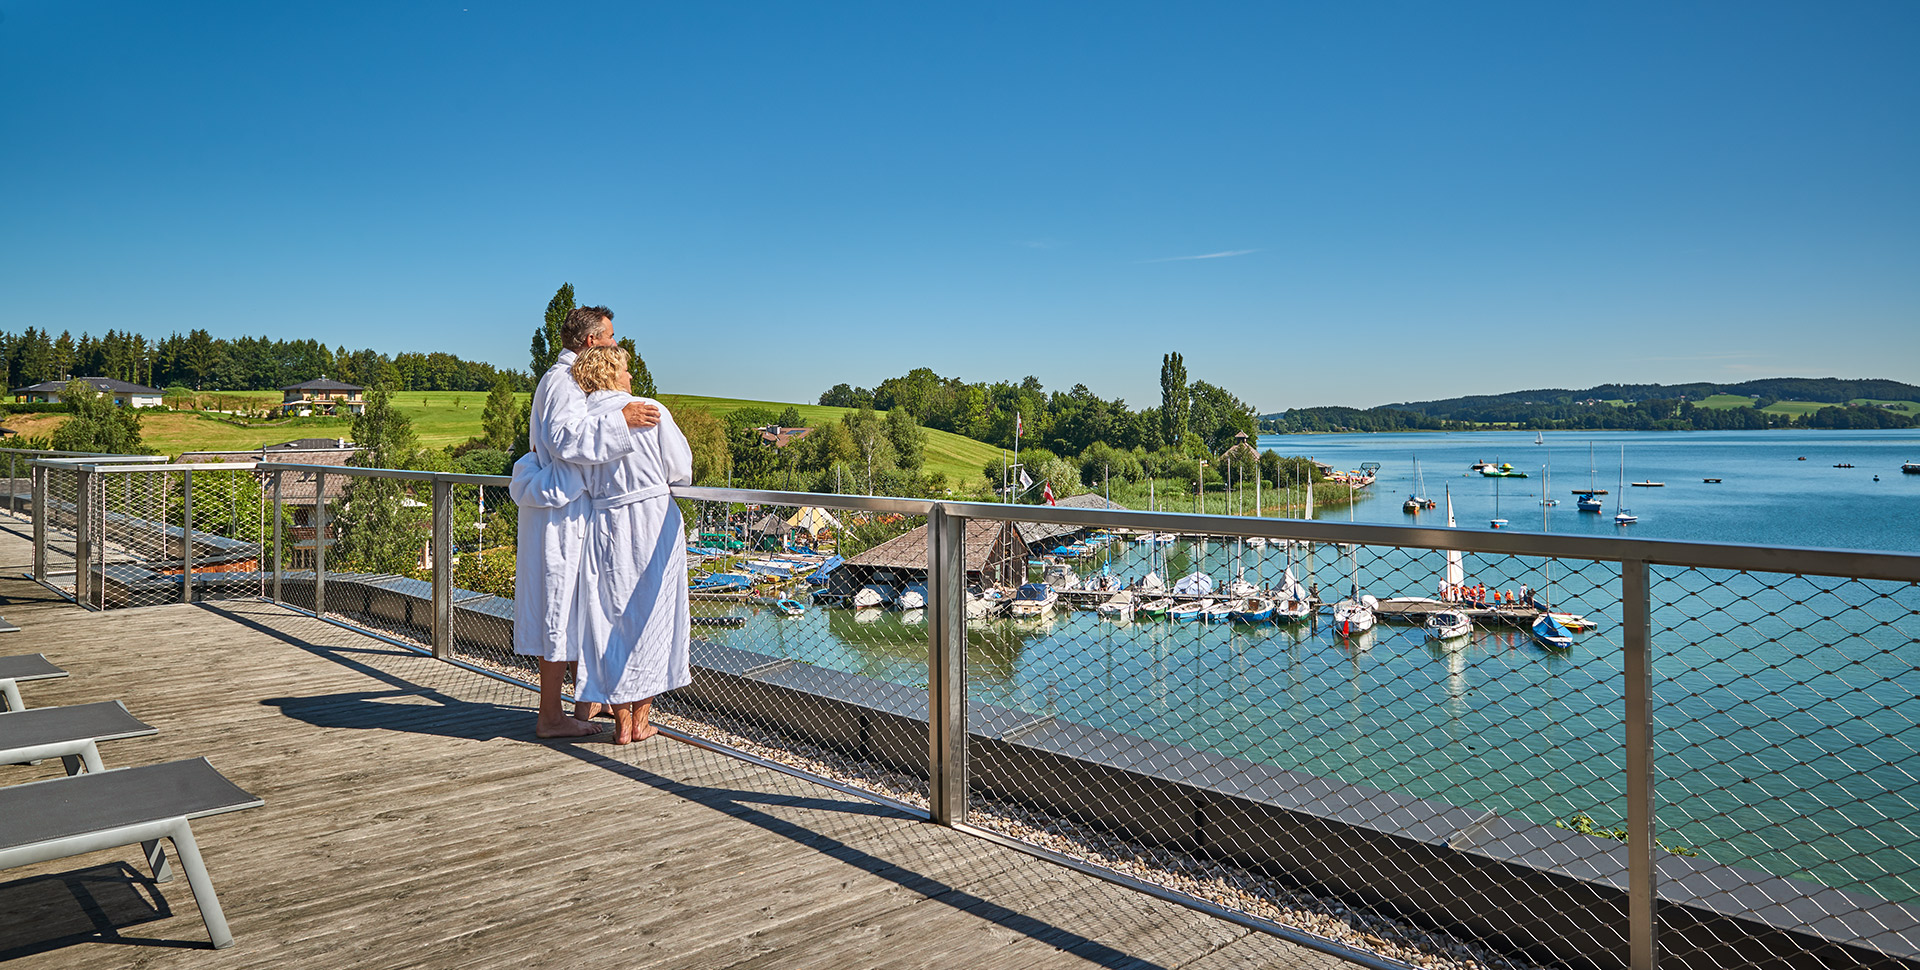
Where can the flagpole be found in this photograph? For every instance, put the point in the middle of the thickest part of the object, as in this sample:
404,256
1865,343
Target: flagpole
1016,439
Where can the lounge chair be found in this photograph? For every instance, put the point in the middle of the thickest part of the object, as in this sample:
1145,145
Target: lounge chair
62,817
15,671
70,733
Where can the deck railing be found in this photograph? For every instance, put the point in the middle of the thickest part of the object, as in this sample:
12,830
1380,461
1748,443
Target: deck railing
1722,773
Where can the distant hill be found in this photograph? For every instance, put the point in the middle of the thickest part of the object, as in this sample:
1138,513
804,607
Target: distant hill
1769,402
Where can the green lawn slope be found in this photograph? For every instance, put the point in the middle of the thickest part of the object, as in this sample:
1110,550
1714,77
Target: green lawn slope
959,458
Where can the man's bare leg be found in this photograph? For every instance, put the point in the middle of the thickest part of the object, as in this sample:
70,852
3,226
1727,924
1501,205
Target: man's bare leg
553,722
643,720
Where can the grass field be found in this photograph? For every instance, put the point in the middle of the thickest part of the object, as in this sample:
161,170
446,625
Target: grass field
1791,408
442,418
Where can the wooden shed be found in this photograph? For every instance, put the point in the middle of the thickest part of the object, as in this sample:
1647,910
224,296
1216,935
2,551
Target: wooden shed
995,556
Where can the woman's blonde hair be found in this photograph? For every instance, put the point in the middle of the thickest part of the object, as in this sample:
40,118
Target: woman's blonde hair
598,368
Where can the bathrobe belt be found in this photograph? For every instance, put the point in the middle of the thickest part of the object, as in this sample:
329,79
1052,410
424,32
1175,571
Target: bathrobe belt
629,498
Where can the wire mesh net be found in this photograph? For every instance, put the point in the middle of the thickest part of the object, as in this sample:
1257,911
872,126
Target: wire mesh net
156,534
1787,759
818,665
61,525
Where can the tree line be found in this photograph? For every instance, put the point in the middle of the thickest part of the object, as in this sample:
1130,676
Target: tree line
201,361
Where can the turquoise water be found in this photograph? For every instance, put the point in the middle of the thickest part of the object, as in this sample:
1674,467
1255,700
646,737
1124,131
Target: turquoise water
1786,706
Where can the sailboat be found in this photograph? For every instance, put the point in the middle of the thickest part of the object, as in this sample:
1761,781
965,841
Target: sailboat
1539,438
1498,522
1354,615
1418,500
1546,491
1622,516
1588,502
1456,568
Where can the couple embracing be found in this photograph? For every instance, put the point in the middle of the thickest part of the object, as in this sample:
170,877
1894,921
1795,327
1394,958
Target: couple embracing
601,568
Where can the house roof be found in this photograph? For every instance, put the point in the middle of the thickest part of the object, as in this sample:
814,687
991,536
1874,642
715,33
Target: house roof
322,384
99,383
307,444
781,437
295,487
909,551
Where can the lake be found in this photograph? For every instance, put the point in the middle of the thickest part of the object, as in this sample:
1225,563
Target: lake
1786,705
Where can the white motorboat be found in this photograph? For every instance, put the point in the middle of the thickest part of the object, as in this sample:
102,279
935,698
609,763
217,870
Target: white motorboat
982,604
1257,542
1034,600
1219,611
1448,625
913,597
871,596
1059,575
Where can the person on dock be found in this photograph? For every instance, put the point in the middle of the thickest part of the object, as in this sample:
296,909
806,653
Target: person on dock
553,527
632,620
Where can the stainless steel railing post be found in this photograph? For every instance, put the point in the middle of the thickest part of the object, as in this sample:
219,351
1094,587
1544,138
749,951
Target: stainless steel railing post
320,543
442,568
83,537
186,537
946,667
1637,634
279,552
39,524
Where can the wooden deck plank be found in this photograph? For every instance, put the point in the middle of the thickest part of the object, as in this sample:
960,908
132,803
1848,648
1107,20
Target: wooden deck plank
409,822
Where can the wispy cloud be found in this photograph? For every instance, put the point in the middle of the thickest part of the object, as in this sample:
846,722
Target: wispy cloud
1219,255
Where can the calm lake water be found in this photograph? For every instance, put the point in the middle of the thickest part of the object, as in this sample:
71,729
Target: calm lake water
1786,706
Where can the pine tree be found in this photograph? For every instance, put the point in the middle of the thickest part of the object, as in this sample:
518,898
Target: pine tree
546,340
497,419
637,369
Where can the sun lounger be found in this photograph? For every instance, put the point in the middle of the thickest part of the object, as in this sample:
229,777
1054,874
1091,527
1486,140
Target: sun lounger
71,733
15,671
63,817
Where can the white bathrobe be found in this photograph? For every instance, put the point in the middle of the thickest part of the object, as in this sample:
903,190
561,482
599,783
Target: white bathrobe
631,620
553,521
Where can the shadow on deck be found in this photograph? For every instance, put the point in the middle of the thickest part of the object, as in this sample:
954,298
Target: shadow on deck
411,820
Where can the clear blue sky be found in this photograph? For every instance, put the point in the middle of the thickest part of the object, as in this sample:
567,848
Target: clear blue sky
1314,203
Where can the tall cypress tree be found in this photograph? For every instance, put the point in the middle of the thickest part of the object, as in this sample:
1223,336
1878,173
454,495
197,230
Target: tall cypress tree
546,340
637,369
1173,398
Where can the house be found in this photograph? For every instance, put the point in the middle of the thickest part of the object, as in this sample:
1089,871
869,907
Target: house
322,397
780,437
995,556
123,393
297,489
1047,535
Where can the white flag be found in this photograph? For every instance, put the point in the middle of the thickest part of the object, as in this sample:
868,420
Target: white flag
1025,482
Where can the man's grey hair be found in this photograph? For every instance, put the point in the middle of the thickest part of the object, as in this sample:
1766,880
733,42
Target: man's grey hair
582,323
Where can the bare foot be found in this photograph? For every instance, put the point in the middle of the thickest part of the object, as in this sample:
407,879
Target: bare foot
565,727
645,731
585,711
623,724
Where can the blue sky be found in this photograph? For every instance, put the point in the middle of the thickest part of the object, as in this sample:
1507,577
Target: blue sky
1314,203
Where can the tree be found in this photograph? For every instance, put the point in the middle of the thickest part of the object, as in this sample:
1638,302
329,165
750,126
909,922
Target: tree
707,437
382,529
1173,398
907,439
97,424
498,417
546,340
637,369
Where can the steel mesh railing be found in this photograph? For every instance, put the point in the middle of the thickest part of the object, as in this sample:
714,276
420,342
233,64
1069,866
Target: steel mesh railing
1714,770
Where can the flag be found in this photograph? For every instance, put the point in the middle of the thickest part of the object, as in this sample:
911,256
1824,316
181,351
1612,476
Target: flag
1046,492
1019,427
1025,482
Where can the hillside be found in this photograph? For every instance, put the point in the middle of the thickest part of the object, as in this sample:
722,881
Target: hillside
442,418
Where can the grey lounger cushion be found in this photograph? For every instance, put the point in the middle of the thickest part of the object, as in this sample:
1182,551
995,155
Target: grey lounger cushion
67,732
63,817
19,669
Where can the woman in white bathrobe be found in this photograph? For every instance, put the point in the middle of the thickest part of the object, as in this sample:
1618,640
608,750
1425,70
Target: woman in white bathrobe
631,618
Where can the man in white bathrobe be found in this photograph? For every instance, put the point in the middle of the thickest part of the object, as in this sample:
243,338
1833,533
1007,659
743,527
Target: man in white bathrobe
551,535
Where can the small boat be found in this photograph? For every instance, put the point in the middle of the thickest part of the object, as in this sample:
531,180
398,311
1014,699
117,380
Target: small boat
789,608
1648,484
1503,470
1498,522
1550,634
1059,575
1154,609
1253,609
1539,438
1119,606
1622,516
1588,502
1219,611
1257,542
871,596
1448,625
1034,600
1911,468
1844,464
1353,617
1574,622
982,604
1194,584
1711,481
913,597
720,583
1291,610
1187,612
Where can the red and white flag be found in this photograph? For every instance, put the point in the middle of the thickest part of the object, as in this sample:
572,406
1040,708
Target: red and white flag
1046,492
1019,427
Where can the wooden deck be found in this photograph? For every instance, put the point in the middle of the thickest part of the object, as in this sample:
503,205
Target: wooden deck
410,821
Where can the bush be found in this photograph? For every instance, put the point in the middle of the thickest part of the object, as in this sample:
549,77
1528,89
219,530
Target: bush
484,461
489,572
